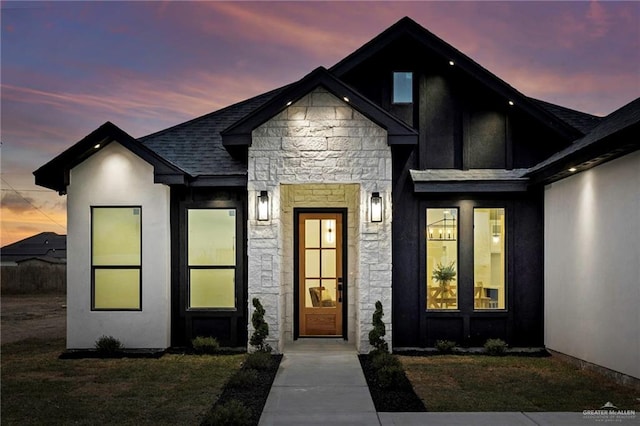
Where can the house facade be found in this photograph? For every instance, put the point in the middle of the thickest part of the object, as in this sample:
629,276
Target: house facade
404,178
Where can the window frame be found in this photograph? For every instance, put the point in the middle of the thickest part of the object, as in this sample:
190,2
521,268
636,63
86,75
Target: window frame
114,267
426,254
465,246
393,88
505,265
237,267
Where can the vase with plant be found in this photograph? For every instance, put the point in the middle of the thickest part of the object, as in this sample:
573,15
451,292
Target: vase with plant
444,274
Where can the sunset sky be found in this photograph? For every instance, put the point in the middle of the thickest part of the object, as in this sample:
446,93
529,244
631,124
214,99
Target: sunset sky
67,67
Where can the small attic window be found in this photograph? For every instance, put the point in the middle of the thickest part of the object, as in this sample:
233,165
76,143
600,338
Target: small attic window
402,87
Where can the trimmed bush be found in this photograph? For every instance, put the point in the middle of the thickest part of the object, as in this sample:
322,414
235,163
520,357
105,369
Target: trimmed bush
445,346
108,345
389,376
259,361
376,336
495,347
384,359
260,328
205,345
232,413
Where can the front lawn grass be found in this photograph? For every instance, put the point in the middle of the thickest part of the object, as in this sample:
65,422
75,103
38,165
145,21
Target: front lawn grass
38,388
464,383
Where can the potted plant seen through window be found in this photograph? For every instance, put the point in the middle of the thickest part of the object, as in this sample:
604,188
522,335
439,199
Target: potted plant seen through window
445,295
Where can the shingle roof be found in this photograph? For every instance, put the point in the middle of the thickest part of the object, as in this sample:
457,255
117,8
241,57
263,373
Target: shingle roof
616,122
196,145
46,246
579,120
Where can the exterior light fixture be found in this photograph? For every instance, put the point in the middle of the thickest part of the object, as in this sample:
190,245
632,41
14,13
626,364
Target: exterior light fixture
96,146
572,169
495,231
289,103
345,99
263,206
511,103
376,207
452,63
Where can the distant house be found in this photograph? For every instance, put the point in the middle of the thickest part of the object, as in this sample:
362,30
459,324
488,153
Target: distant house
35,265
44,248
406,173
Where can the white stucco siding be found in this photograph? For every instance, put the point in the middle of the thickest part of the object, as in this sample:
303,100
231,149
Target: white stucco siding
592,265
320,140
114,176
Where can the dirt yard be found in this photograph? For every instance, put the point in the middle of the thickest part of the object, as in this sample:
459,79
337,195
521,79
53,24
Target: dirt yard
29,316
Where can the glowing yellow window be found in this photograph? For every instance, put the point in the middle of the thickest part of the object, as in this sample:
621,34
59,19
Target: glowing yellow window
116,258
211,246
442,259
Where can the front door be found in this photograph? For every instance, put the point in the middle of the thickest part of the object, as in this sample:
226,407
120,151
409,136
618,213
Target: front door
320,274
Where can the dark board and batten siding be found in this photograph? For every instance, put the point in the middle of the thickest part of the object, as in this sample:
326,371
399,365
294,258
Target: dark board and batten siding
228,326
462,125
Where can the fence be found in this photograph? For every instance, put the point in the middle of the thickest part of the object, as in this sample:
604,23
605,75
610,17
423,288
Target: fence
33,279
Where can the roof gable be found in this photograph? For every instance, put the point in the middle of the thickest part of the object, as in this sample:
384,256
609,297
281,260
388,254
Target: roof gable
55,174
239,134
406,27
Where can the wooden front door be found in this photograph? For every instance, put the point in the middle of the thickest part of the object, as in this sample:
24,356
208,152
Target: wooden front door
320,280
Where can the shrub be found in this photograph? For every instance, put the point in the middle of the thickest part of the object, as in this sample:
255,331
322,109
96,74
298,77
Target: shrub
108,345
389,376
258,361
384,359
232,413
376,336
243,379
260,328
205,345
445,346
495,347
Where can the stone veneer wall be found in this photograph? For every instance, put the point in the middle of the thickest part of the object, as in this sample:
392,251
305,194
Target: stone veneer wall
319,140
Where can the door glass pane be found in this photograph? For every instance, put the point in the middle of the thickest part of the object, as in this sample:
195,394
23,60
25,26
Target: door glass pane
116,236
212,288
328,263
117,288
328,293
313,293
312,263
328,233
312,233
442,258
489,258
212,237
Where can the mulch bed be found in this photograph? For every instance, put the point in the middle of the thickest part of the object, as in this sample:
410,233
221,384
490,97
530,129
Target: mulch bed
400,398
255,396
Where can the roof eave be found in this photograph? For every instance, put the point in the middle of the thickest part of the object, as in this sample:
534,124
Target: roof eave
239,134
471,186
55,174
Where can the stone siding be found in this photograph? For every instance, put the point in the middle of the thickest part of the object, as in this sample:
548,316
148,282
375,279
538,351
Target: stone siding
320,152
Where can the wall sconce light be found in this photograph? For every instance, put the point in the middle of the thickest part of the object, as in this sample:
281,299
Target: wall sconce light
263,206
376,207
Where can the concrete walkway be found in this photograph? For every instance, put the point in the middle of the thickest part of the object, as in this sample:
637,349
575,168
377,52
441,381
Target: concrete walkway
320,382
